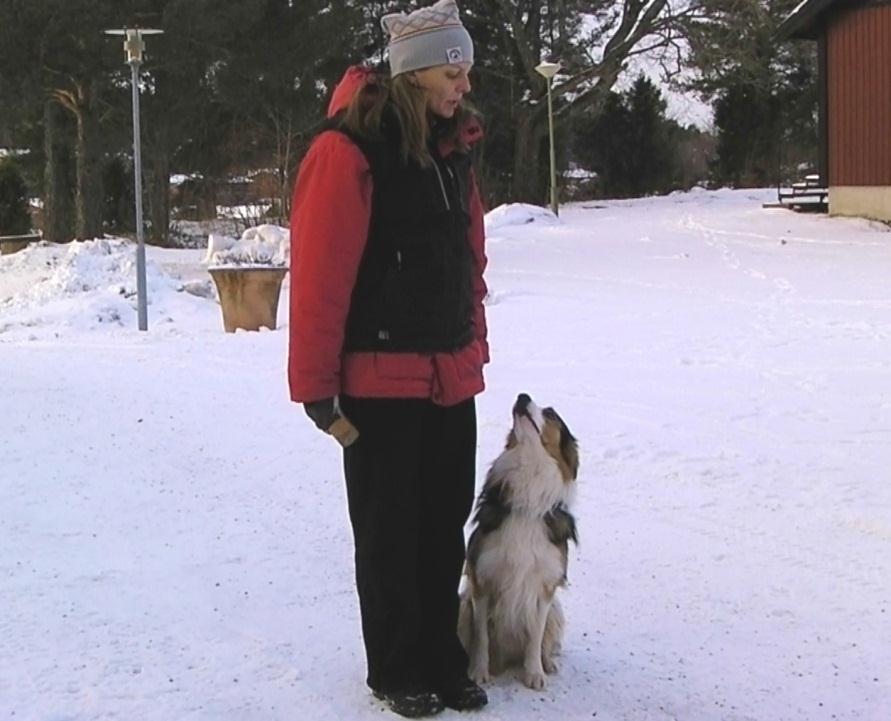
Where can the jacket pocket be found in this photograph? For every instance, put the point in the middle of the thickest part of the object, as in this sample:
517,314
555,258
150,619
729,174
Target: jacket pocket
469,361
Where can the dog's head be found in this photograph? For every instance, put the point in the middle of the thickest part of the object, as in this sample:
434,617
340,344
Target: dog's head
544,426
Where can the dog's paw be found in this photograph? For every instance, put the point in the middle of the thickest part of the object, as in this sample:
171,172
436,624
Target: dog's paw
534,680
550,665
479,674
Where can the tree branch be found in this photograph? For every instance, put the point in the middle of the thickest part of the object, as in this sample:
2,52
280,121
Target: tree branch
522,42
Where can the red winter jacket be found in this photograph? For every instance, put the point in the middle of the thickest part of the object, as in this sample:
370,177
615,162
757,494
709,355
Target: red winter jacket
329,228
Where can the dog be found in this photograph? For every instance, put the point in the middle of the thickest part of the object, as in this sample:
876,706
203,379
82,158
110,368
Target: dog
518,551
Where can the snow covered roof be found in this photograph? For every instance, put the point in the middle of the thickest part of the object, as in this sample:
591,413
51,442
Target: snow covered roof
806,20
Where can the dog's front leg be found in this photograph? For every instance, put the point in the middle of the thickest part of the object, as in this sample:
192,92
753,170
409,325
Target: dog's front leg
533,672
479,654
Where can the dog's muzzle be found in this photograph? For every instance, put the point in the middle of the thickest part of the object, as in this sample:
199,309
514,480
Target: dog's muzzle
521,409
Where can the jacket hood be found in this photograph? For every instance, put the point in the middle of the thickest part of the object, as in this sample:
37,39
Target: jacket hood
354,79
358,76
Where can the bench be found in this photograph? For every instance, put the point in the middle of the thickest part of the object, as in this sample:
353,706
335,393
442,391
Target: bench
807,193
13,243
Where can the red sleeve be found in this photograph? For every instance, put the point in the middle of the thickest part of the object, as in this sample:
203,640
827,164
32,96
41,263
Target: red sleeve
477,235
329,228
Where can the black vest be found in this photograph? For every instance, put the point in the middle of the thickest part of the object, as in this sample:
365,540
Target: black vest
414,290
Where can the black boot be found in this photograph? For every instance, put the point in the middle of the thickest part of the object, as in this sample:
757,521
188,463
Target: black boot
411,704
463,695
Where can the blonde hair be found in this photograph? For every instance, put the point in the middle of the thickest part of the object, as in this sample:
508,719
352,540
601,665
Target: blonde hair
364,116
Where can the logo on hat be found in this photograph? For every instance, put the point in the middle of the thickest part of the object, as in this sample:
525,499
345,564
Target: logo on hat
455,55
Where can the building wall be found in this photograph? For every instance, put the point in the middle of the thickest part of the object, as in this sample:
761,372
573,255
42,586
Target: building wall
862,201
858,45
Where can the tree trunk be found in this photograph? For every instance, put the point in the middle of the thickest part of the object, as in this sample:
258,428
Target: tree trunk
284,142
530,183
88,198
159,202
159,188
58,216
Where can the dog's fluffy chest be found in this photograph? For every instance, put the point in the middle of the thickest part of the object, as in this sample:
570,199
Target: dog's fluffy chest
518,553
532,479
521,550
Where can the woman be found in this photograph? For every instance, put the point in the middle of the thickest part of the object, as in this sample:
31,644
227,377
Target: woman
388,341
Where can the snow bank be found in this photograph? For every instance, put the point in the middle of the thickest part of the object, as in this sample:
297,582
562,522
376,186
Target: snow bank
518,214
84,285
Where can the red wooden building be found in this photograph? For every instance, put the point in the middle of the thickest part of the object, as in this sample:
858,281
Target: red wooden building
854,47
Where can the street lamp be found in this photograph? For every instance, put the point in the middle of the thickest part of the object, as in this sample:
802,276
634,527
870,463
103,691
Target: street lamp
133,47
548,71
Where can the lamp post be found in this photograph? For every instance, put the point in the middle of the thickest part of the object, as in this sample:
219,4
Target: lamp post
548,71
133,47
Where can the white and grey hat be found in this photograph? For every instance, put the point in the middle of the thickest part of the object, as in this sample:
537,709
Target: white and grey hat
426,37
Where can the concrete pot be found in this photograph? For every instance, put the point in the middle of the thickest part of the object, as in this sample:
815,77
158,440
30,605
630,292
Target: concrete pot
248,296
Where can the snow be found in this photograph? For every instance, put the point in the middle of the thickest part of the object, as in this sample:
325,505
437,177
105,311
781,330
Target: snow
13,152
262,245
505,216
243,212
797,9
173,530
48,290
805,7
180,178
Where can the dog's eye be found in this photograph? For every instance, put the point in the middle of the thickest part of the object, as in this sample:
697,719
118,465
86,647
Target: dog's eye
550,414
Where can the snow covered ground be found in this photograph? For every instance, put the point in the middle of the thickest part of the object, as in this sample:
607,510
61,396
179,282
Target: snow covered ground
174,543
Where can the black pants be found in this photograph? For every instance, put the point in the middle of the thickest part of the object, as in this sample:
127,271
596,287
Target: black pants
410,487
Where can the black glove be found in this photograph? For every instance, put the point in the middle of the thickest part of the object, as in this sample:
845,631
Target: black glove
322,412
328,418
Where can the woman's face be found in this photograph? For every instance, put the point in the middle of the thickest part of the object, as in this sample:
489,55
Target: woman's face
444,86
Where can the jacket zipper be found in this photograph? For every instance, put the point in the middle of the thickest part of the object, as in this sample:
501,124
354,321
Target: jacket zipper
445,195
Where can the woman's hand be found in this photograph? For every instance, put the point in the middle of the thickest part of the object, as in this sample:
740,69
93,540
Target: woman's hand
325,413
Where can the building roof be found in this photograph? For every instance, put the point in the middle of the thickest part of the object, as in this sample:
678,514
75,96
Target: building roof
806,20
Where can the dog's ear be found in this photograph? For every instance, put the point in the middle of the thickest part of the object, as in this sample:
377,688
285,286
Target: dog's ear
569,449
561,444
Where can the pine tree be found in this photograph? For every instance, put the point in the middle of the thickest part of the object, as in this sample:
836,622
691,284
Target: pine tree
630,144
650,155
763,91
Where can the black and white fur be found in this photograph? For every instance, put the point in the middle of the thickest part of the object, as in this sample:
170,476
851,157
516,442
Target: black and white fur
517,554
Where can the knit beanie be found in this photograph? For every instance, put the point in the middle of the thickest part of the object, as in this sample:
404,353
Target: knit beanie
426,37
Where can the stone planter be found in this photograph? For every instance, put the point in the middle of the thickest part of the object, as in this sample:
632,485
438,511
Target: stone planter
248,296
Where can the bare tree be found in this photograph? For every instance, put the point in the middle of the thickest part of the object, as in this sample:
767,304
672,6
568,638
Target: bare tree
81,99
594,41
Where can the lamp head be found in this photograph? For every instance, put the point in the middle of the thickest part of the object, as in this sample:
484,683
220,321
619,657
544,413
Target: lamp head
133,42
547,69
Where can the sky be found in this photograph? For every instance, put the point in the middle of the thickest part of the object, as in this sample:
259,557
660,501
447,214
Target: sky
684,107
